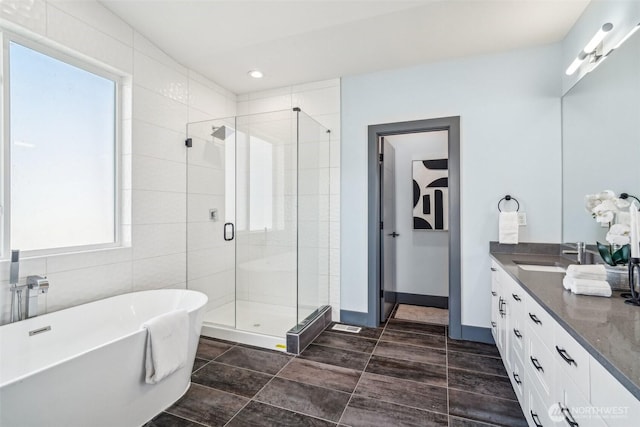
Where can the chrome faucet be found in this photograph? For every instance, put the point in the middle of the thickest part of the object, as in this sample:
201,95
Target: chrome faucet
16,291
580,252
35,285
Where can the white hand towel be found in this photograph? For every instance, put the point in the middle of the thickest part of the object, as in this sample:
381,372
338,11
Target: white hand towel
591,272
167,342
567,282
599,288
508,228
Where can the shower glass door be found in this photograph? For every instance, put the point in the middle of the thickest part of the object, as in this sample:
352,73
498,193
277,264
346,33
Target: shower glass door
211,215
266,222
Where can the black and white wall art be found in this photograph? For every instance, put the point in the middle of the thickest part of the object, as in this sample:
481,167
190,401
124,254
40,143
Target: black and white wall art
431,194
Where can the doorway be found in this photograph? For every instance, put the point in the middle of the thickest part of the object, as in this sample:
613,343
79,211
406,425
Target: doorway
426,232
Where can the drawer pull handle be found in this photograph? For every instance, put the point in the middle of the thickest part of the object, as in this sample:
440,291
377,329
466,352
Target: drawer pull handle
516,297
516,378
536,419
493,324
517,333
563,353
535,319
494,293
494,269
568,417
536,364
500,304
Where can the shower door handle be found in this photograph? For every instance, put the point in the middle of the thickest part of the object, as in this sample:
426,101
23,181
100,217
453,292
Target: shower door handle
233,231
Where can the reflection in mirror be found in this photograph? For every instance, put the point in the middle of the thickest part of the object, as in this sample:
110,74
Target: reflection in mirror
601,139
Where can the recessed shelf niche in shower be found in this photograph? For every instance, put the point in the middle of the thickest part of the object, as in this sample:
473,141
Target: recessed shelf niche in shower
264,264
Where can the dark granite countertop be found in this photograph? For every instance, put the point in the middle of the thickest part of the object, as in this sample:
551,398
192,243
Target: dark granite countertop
607,328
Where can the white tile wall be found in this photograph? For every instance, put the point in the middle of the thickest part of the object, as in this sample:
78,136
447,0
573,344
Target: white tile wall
152,240
81,37
142,45
159,96
158,175
31,15
157,142
73,287
159,272
99,18
157,109
161,79
158,207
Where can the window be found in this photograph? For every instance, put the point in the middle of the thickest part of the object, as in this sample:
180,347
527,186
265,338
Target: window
62,135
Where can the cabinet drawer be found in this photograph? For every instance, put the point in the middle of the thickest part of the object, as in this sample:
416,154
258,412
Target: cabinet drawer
575,409
617,406
517,377
572,358
536,409
538,320
517,337
516,297
539,362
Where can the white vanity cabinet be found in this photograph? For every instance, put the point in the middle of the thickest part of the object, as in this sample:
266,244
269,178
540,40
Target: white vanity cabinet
556,380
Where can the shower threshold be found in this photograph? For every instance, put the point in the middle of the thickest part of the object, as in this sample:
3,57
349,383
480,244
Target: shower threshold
253,323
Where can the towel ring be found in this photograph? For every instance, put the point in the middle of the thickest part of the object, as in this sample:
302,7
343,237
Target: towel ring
507,198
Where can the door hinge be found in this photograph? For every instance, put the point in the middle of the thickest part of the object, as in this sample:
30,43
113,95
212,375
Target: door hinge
380,157
188,142
381,225
381,293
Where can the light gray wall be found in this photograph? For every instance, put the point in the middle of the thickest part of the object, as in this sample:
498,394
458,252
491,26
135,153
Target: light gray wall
509,106
422,261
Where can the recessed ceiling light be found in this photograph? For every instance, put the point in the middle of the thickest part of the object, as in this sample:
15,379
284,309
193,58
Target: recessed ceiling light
256,74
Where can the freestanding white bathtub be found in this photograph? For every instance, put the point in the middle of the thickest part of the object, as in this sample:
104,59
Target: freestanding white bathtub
88,369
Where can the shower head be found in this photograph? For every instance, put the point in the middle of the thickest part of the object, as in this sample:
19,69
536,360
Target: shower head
221,132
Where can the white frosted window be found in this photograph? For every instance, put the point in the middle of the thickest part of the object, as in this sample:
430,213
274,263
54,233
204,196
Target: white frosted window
62,135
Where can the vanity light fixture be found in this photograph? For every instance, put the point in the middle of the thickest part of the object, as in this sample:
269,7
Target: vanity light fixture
590,49
256,74
576,63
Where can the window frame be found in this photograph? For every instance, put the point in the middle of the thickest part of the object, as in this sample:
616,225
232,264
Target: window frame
90,66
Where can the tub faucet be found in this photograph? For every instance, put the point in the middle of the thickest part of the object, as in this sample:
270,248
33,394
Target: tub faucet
36,285
16,291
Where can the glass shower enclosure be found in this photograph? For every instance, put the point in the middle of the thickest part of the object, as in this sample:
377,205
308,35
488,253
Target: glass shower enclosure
258,224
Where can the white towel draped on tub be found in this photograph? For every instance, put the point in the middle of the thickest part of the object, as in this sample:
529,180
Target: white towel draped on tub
167,342
508,228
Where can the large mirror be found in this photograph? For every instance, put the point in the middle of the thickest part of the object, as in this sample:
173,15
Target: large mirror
601,139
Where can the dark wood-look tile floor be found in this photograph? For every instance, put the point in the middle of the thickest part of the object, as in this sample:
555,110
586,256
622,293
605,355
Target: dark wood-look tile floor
402,374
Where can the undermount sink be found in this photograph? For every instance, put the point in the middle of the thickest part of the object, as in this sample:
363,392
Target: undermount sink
546,267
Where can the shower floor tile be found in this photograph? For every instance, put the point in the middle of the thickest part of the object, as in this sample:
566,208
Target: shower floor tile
405,373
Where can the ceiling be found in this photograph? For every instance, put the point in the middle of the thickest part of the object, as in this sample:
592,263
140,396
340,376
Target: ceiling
309,40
